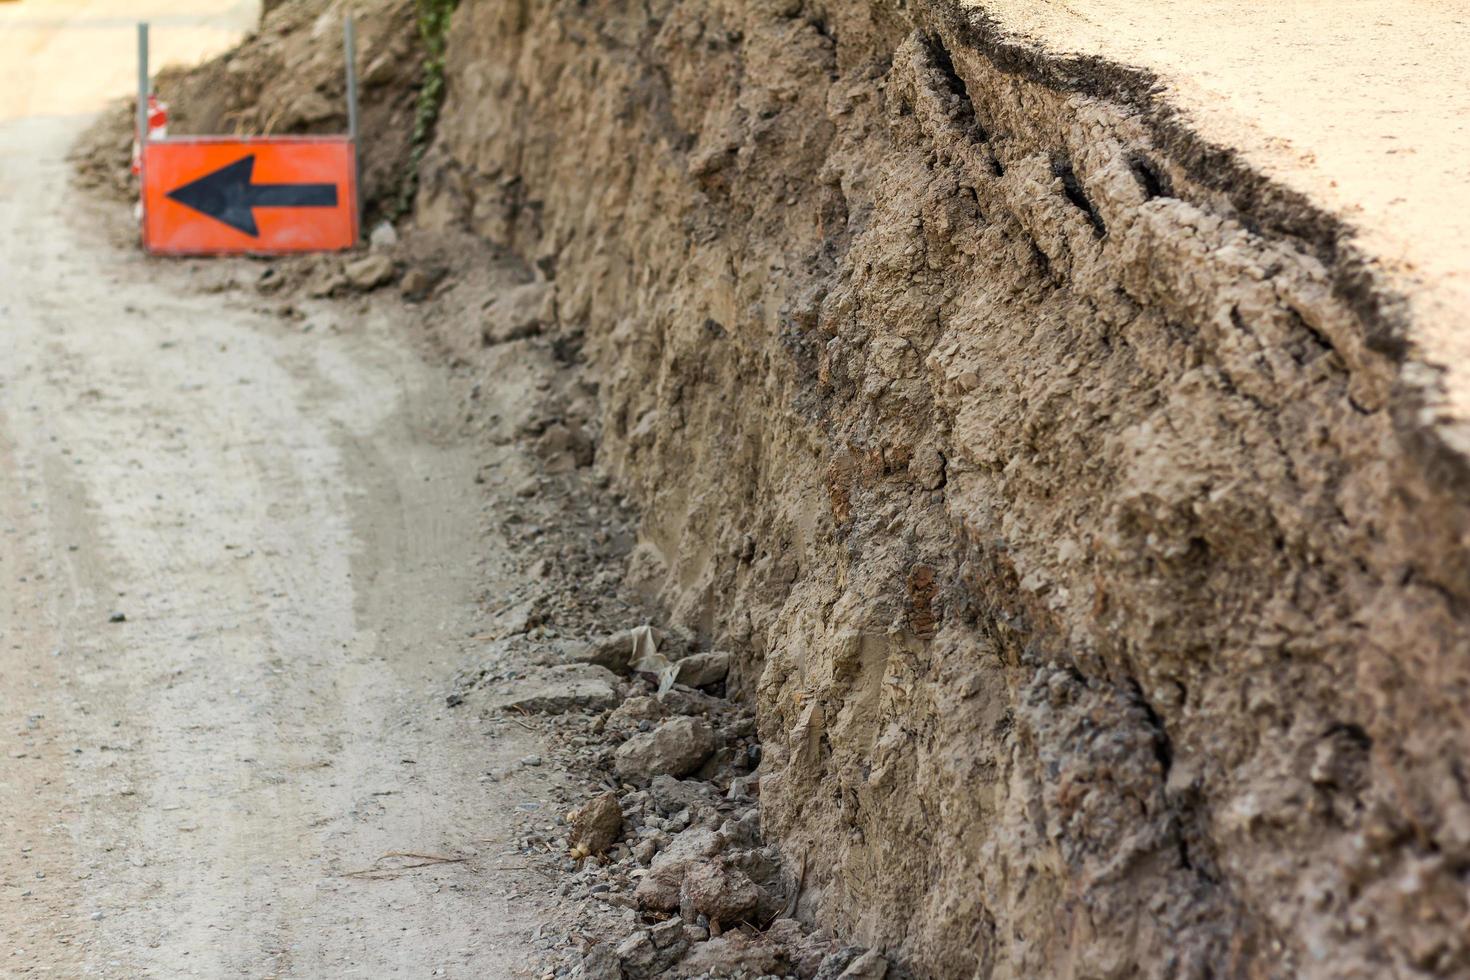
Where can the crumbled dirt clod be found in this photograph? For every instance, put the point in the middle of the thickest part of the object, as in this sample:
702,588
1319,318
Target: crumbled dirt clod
611,651
735,954
597,825
415,284
723,894
661,889
368,272
518,313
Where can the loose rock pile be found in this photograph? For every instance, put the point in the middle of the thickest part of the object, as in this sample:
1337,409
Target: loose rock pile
670,849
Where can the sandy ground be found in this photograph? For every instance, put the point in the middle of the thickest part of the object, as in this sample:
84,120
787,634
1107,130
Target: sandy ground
1363,105
280,511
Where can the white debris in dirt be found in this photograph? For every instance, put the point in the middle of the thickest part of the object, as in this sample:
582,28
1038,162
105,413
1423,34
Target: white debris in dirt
384,237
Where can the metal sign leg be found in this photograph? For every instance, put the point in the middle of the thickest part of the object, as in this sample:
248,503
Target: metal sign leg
349,50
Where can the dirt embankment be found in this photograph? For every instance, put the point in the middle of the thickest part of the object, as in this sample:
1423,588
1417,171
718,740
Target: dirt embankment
1061,486
1069,496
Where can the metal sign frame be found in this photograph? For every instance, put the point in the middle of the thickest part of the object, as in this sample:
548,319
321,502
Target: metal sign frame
145,86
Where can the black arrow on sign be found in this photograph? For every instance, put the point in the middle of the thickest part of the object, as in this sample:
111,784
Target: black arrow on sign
228,196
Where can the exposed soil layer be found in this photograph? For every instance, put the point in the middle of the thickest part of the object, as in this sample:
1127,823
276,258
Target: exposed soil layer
1065,490
1081,514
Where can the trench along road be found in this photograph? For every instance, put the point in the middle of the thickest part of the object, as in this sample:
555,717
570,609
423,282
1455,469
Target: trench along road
282,519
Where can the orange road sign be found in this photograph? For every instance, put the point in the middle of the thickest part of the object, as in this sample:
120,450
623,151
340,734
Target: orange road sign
212,195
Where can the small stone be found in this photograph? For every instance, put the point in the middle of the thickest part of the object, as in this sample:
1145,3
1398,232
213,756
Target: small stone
870,966
702,669
835,962
632,713
667,933
96,916
383,69
600,962
530,760
327,285
415,284
682,700
270,281
597,825
676,748
637,954
309,107
368,272
117,617
661,888
673,795
744,787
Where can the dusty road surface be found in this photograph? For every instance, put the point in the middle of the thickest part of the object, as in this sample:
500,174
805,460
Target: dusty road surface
282,518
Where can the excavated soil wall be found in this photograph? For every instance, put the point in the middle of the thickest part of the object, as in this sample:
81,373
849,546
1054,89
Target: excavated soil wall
1066,491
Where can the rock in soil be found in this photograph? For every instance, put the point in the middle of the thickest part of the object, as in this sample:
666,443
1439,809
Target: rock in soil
563,688
416,284
702,669
368,272
611,652
597,825
723,894
637,955
869,966
676,748
662,887
668,932
599,962
735,954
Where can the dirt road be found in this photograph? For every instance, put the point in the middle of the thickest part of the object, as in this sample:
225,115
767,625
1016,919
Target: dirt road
280,512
